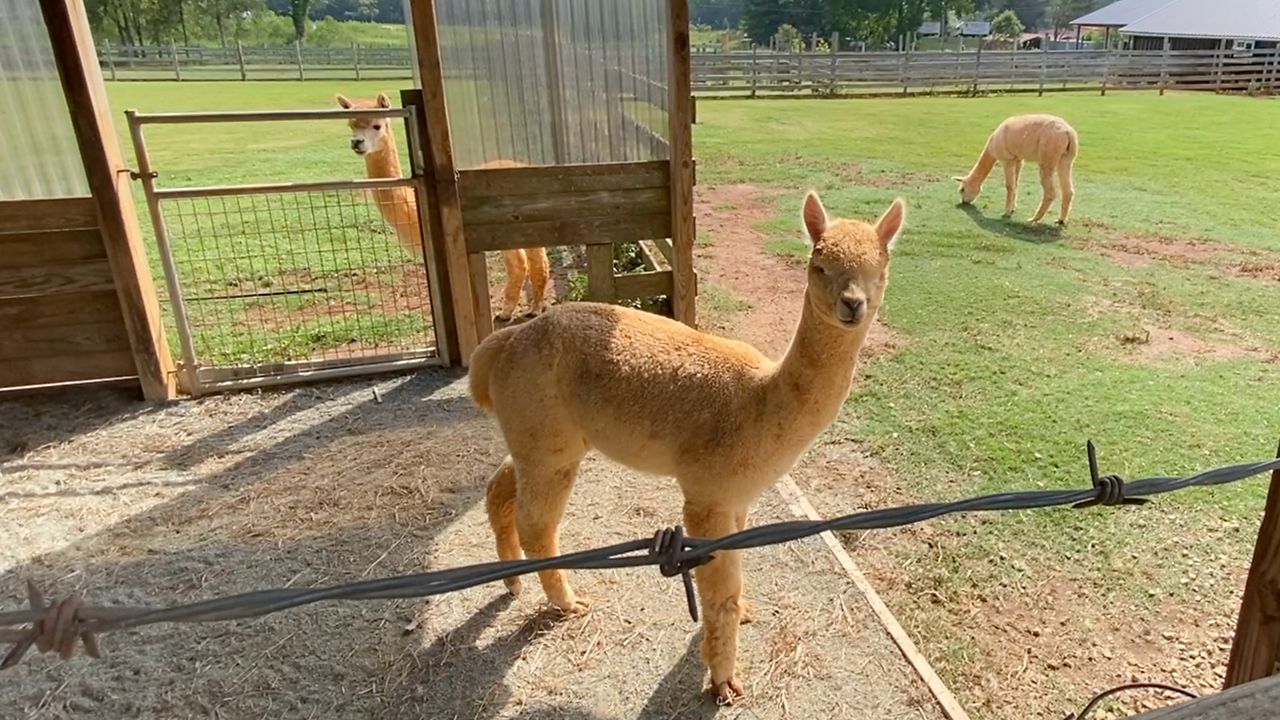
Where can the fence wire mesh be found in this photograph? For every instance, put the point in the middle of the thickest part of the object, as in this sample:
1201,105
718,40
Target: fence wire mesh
285,277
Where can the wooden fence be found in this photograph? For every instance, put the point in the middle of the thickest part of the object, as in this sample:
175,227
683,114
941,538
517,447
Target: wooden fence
759,73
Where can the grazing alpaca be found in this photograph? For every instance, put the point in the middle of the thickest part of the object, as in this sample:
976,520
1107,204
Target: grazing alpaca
1046,140
665,399
373,139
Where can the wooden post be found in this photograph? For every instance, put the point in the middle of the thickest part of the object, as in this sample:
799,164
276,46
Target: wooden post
555,81
177,69
977,67
600,282
111,60
832,88
470,309
904,69
1164,66
1222,55
108,177
680,138
297,49
244,75
1255,652
1106,69
755,71
355,59
1044,64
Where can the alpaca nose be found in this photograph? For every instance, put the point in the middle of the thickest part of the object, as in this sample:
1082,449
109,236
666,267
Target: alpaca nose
851,308
357,143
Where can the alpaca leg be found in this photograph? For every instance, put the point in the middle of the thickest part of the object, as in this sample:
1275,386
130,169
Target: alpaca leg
1046,182
517,267
720,591
541,496
1068,190
500,504
539,274
1010,185
746,613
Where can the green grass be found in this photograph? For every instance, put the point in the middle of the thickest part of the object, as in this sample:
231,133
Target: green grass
1014,351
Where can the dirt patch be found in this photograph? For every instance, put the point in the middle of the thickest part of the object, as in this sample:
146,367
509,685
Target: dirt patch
896,180
773,286
1140,250
1154,342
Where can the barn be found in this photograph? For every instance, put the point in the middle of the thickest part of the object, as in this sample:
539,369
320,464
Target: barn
1239,25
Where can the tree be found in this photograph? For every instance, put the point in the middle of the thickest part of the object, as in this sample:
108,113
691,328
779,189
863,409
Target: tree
1007,26
1062,12
298,10
761,18
1030,12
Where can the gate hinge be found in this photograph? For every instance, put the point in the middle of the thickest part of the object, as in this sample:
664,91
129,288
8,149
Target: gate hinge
138,175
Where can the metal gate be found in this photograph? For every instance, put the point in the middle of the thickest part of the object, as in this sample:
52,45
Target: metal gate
283,282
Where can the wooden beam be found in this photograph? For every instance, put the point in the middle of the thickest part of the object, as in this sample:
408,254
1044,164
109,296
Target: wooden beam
572,231
1256,700
50,247
473,323
600,287
642,285
680,138
59,279
108,177
52,214
1255,652
548,207
498,182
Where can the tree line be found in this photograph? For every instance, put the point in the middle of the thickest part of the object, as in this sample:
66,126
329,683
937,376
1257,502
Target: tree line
880,20
193,22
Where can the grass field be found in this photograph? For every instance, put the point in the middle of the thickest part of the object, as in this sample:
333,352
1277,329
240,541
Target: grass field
1148,325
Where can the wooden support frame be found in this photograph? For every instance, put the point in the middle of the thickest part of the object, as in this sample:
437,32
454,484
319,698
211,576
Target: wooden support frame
1255,651
680,137
109,178
470,303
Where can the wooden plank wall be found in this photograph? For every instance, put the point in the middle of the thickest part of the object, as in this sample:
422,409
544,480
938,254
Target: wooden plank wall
58,302
596,205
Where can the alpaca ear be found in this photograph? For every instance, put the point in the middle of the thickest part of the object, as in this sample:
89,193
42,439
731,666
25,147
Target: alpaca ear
957,178
890,223
383,100
343,102
815,217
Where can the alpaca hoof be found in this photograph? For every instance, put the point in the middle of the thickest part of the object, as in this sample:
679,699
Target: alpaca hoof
535,311
1061,223
572,605
504,316
1007,216
727,692
514,586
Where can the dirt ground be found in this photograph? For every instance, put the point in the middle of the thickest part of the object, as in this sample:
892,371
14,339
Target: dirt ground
155,505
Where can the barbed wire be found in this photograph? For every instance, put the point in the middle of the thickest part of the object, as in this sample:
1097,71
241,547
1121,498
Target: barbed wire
62,625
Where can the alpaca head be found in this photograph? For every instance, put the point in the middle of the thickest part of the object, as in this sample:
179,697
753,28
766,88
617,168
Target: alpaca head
368,135
849,264
968,189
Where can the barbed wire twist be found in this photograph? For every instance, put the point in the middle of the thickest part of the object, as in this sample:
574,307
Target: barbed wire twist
62,626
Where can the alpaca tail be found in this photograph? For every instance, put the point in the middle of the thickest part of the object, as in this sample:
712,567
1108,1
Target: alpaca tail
482,360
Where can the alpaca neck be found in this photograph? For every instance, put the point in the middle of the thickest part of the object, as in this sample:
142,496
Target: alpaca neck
385,161
811,383
982,168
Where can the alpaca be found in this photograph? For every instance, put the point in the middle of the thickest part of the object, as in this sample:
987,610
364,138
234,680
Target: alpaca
1046,140
656,395
374,140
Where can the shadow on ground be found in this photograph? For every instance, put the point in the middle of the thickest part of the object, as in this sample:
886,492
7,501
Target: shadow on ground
1037,234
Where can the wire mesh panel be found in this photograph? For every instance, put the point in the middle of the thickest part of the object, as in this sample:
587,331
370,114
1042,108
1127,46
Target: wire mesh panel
41,159
555,81
284,277
270,283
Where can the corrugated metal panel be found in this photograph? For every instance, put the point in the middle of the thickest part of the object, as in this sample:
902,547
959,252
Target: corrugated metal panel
1123,12
1242,19
555,81
41,159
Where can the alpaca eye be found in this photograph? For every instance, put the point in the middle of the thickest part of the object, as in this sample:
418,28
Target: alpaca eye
377,127
821,270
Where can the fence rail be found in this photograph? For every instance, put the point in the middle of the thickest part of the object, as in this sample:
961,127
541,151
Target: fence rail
760,73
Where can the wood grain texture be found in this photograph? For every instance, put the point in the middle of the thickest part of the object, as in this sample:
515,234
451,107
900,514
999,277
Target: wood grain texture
53,214
77,59
491,182
26,249
1255,651
96,306
1257,700
644,285
600,273
74,277
67,368
473,324
52,341
589,231
680,138
560,206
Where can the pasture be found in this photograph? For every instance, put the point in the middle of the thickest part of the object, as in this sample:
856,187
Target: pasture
1148,325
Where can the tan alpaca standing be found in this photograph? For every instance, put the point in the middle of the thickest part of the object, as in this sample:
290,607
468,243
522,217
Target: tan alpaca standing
374,140
1046,140
665,399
